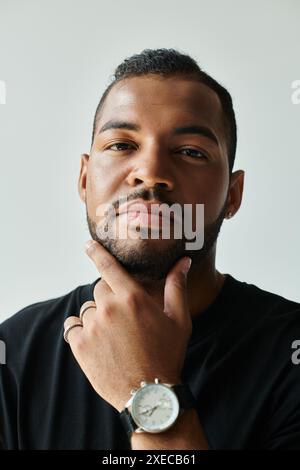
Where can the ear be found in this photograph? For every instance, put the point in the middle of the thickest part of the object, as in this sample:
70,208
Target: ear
83,176
235,192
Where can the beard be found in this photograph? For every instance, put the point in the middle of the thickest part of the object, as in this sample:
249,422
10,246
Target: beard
151,260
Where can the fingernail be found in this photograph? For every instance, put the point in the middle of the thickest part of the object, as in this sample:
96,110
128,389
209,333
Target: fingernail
186,266
89,244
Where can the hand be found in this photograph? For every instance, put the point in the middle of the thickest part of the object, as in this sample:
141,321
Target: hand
128,338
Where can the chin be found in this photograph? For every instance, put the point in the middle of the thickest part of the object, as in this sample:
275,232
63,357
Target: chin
149,248
147,260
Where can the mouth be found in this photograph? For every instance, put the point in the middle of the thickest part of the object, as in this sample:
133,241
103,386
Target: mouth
140,205
143,219
145,213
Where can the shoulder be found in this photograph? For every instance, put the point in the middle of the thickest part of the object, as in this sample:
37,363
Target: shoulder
41,321
267,324
263,303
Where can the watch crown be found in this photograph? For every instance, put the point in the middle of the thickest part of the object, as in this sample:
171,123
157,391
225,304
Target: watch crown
156,381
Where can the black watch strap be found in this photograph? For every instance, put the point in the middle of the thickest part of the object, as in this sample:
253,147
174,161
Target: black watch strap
128,423
185,398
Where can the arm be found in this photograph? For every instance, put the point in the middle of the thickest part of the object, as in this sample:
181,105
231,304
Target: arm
127,326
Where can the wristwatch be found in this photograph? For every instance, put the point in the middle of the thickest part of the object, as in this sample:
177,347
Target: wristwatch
154,407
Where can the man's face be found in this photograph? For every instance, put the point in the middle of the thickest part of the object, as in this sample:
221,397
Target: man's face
153,162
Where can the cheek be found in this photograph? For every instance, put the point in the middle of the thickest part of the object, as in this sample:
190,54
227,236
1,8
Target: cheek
218,191
103,187
210,188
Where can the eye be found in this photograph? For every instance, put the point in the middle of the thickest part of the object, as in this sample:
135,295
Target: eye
194,153
120,146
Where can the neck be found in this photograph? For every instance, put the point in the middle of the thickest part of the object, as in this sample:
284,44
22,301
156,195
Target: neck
204,283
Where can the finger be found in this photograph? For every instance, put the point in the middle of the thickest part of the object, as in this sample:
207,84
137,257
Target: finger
118,279
175,293
101,290
71,327
89,305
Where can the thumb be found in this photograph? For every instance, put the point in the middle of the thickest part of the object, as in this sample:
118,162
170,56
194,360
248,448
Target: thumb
175,293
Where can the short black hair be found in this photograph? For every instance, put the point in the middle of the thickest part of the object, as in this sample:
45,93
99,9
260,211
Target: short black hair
171,62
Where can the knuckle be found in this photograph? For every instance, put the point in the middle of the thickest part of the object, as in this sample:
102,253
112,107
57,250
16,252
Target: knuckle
105,264
106,310
93,328
132,299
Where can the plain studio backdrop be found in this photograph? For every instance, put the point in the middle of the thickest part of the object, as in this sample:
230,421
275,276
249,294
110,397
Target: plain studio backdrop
56,58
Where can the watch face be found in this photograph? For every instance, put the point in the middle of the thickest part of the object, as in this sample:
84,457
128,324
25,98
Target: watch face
155,407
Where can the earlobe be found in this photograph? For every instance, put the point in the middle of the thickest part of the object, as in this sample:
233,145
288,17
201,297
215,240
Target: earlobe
82,181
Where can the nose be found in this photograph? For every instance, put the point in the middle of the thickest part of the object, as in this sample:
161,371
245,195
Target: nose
151,169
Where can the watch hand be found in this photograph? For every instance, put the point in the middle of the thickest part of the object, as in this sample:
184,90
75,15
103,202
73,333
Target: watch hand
150,410
145,410
153,409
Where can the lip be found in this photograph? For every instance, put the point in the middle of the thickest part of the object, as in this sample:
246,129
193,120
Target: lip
139,205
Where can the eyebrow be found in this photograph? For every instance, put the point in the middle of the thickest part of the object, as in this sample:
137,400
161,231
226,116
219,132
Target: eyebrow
191,129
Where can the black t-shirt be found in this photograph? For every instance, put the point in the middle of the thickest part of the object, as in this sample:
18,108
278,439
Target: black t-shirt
238,366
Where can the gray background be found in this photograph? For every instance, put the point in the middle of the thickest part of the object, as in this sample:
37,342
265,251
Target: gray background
56,58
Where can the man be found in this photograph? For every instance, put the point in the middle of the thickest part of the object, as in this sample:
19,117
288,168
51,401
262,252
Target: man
160,315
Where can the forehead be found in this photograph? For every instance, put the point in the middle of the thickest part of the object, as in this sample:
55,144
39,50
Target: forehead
156,101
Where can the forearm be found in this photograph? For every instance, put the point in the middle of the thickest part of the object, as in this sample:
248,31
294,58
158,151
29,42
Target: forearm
186,434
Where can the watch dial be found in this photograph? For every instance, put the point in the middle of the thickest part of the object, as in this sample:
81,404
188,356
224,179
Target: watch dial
155,407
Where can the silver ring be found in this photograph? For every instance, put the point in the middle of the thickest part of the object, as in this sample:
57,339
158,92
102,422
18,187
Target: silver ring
89,304
69,328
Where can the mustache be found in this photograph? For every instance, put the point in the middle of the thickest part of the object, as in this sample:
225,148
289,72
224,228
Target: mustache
145,194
